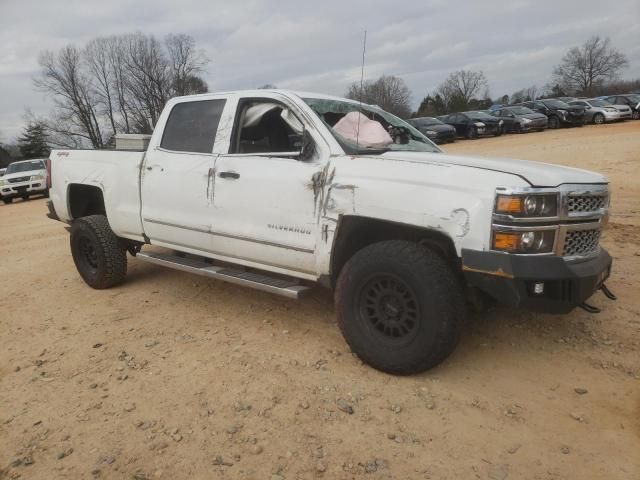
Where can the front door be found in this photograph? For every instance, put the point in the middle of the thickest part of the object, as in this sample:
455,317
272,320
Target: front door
264,200
177,177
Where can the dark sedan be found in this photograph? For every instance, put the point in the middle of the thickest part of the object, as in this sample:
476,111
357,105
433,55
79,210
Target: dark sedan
434,129
521,119
558,112
473,124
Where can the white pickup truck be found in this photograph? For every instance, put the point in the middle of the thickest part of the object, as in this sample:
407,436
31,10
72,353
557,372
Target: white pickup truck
259,188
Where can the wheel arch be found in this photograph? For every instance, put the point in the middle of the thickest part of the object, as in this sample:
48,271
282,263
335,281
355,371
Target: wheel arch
84,200
354,232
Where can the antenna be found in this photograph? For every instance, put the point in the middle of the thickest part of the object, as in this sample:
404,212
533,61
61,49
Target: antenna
364,50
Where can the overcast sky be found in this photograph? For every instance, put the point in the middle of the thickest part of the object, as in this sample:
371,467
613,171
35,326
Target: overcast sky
316,46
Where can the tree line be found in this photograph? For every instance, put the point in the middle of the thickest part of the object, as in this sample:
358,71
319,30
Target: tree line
591,69
116,84
120,84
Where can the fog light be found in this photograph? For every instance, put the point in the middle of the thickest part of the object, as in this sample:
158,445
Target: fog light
538,288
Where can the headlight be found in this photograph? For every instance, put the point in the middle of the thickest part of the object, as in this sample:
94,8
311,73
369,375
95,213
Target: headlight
609,109
562,112
35,178
430,132
479,124
528,205
526,120
527,241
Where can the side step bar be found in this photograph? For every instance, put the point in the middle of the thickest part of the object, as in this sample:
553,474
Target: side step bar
287,288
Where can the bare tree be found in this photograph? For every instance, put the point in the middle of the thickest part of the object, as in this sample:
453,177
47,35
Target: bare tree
462,86
185,63
62,75
117,84
388,92
589,65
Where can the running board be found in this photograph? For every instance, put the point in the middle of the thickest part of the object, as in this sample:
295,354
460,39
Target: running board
284,287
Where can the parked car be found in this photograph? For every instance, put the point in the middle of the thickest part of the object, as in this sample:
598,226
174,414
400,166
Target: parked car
600,111
521,119
558,112
473,124
2,170
308,188
24,179
434,129
630,100
566,99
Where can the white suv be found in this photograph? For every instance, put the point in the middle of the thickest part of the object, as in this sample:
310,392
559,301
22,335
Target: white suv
24,179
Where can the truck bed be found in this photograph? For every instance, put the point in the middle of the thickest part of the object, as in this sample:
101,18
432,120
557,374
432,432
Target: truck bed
115,173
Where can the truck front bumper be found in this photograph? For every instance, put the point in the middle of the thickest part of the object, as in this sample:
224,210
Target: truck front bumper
514,280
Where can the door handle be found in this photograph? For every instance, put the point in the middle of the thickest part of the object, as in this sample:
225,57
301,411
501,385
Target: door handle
231,175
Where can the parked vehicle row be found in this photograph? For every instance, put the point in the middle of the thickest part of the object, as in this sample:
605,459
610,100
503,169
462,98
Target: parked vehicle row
535,115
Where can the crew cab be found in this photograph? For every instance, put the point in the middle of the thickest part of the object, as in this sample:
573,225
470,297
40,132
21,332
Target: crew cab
281,190
24,179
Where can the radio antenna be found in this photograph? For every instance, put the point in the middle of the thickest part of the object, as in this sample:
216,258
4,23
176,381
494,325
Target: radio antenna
364,50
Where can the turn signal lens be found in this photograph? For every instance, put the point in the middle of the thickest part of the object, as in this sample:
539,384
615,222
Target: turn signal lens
508,204
506,241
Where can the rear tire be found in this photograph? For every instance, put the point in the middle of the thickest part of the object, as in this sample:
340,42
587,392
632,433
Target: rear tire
99,257
399,307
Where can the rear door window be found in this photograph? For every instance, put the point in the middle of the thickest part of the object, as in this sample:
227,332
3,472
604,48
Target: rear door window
192,126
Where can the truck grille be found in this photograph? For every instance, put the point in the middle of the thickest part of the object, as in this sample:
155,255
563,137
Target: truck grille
581,242
586,203
18,179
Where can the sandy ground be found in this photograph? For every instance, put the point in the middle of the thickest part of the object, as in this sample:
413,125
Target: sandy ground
172,376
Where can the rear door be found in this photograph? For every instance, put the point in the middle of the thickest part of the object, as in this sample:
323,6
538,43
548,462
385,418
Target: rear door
177,176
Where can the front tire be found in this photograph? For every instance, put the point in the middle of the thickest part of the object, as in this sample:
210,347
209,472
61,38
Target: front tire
7,200
99,257
399,307
554,122
472,133
598,119
635,115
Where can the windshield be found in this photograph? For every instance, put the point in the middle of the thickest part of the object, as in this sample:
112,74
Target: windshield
634,98
477,115
555,104
428,121
25,166
521,110
405,137
599,103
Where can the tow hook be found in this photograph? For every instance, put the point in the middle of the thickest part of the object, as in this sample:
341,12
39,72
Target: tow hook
608,293
589,308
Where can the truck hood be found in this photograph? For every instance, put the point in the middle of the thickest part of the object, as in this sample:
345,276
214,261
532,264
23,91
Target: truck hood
537,174
29,173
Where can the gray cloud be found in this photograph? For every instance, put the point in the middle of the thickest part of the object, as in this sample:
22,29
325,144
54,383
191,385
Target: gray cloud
317,46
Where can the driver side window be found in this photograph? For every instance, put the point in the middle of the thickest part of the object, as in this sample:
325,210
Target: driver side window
266,126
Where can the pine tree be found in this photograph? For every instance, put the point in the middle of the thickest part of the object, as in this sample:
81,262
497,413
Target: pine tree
33,141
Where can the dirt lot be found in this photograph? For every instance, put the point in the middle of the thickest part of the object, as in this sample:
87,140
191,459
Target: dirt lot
173,376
